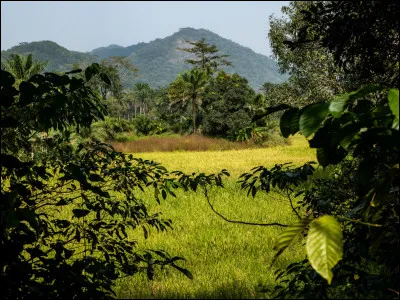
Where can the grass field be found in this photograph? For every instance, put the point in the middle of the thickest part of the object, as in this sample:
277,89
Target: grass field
227,260
168,143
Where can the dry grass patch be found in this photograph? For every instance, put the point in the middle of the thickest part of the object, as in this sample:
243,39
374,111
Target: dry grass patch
188,143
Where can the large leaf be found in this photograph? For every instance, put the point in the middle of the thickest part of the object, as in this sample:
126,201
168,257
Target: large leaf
338,103
336,107
312,117
288,235
393,97
92,70
324,245
286,121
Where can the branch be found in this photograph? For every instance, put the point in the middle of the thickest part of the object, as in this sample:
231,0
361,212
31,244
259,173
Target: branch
361,222
239,222
291,204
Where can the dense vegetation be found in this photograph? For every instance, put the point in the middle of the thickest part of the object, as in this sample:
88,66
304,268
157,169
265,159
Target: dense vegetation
71,203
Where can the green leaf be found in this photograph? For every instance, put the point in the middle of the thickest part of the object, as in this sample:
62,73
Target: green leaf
338,103
79,213
365,90
105,78
286,121
294,126
324,245
393,97
336,107
312,117
327,156
91,71
184,271
288,235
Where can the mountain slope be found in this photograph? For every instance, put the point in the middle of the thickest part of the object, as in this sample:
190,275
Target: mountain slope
59,58
159,61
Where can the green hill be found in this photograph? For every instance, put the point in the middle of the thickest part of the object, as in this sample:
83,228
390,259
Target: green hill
59,58
159,61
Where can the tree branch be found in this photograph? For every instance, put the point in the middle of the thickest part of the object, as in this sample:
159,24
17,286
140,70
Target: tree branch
291,205
239,222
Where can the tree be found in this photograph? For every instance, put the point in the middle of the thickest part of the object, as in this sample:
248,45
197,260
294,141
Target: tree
143,94
176,116
119,70
357,132
45,254
207,59
308,66
364,45
226,101
22,67
188,88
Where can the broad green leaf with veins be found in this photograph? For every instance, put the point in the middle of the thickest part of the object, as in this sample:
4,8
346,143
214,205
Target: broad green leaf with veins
324,245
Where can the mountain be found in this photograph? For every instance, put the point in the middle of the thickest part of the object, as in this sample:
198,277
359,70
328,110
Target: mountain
159,61
59,58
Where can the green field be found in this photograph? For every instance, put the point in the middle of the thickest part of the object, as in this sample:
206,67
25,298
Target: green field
227,260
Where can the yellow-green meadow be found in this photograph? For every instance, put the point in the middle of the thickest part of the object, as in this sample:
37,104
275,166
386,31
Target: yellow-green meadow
227,260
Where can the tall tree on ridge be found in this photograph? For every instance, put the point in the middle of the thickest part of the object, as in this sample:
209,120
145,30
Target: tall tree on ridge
207,59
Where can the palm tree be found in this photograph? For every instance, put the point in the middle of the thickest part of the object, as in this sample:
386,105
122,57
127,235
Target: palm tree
188,88
23,67
142,92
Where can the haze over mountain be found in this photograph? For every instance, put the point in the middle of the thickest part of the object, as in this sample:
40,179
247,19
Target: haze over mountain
159,61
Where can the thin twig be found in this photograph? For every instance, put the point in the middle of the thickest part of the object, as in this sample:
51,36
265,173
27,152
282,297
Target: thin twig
239,222
361,222
291,205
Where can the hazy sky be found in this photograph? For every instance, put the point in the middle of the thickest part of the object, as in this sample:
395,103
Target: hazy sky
83,26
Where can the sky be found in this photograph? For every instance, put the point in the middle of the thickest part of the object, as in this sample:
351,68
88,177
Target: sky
86,25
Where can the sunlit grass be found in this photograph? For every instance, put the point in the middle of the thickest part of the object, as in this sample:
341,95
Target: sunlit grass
227,260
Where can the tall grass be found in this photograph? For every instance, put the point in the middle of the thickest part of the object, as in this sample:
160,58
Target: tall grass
227,260
189,143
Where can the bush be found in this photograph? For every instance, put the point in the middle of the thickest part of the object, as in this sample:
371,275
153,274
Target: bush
146,126
64,218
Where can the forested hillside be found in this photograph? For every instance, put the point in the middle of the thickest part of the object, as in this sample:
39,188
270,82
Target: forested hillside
159,61
59,58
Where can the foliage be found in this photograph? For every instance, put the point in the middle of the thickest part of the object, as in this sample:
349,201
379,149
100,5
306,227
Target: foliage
349,126
363,37
146,126
22,68
225,105
308,66
59,58
45,254
118,70
143,94
356,130
188,89
207,58
176,116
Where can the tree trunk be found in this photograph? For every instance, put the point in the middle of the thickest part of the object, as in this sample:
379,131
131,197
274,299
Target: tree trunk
194,116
